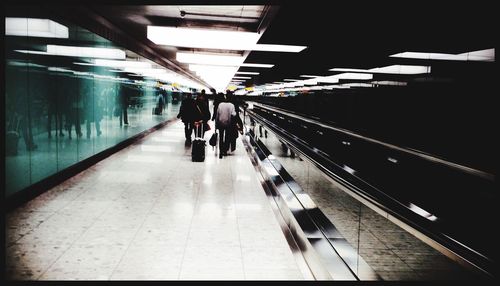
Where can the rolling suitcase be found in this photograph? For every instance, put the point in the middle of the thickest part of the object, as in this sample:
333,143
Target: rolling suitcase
198,146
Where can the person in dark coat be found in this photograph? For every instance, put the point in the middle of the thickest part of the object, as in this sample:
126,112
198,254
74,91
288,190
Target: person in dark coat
186,114
201,114
236,123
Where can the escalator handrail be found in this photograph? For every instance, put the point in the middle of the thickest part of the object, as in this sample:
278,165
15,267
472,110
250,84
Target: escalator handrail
410,151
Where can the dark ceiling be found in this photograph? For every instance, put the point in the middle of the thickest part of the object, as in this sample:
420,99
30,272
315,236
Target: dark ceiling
352,34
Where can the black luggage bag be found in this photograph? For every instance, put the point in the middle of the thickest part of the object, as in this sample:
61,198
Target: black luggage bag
198,146
157,111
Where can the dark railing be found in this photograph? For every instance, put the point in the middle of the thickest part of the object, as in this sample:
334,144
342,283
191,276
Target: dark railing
447,202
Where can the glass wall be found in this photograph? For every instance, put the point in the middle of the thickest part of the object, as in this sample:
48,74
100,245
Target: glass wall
70,94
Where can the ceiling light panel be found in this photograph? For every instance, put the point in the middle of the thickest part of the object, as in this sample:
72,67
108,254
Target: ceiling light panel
487,55
251,73
33,27
257,65
394,69
201,38
121,64
85,52
214,39
209,59
402,69
277,48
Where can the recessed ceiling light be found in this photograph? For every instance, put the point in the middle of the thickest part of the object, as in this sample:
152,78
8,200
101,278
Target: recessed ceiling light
213,39
257,65
209,59
34,27
487,55
252,73
393,69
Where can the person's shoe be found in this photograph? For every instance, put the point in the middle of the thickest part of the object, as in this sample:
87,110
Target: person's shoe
220,156
61,134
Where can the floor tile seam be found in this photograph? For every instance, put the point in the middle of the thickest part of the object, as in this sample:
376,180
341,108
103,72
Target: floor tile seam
145,217
391,251
83,233
238,225
34,228
73,243
189,232
62,253
133,238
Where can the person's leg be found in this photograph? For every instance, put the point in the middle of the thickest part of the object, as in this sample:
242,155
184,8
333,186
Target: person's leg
78,124
98,127
59,123
88,125
221,142
226,141
186,130
49,121
125,116
234,134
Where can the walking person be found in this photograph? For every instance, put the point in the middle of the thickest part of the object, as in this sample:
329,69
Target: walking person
236,123
186,114
223,122
201,115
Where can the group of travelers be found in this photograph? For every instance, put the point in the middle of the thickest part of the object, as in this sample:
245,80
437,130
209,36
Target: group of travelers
195,115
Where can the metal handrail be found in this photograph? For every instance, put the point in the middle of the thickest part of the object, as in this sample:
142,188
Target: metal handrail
413,152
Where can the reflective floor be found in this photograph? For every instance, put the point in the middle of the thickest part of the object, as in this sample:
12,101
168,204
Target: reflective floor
148,212
59,152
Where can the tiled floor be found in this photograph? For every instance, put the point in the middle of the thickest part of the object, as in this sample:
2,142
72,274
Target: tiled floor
149,213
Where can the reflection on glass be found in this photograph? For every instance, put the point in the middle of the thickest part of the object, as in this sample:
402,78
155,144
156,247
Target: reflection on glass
68,97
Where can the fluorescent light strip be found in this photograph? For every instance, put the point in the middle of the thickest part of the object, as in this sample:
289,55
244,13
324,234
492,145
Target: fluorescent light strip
242,77
251,73
201,38
85,52
277,48
257,65
393,69
350,70
214,39
387,82
310,76
487,55
402,69
209,59
121,64
33,27
289,79
358,84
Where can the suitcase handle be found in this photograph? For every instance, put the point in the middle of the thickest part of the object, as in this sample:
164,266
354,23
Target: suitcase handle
196,125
